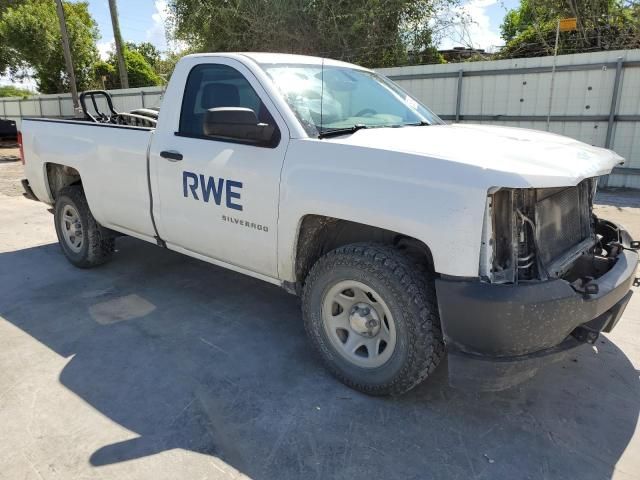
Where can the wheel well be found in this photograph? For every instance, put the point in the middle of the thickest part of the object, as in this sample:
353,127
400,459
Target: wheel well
319,234
60,176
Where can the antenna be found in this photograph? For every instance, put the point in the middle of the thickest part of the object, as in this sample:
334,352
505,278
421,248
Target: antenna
321,92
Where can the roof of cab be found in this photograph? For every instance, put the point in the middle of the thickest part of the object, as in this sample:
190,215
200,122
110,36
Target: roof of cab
275,58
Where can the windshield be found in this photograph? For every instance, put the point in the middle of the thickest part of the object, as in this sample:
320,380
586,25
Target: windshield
350,97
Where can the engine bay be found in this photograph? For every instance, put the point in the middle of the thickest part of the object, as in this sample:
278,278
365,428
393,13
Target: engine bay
540,234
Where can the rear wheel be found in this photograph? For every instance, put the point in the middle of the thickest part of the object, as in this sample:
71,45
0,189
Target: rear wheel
84,242
372,316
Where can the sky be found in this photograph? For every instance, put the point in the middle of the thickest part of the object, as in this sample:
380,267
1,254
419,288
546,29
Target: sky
484,30
140,21
143,20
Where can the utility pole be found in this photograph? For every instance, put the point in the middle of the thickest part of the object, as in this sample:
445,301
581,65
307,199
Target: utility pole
124,77
553,75
67,54
564,25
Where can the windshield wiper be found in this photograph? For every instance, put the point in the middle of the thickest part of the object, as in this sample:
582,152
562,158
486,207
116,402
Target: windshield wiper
421,123
334,132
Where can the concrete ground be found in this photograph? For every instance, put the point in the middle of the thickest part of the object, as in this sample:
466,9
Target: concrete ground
10,172
160,366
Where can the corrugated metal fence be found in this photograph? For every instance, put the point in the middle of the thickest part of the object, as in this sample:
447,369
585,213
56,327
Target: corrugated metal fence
596,98
62,106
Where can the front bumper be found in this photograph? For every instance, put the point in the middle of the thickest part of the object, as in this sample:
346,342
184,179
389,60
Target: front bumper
500,335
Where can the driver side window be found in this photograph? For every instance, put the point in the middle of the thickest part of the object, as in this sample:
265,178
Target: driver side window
213,86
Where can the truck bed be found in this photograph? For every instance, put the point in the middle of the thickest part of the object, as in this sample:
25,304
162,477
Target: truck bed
111,159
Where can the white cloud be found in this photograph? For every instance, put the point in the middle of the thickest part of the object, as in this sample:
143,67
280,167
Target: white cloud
476,29
104,48
157,34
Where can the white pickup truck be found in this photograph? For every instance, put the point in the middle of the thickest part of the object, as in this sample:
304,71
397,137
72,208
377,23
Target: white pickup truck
406,238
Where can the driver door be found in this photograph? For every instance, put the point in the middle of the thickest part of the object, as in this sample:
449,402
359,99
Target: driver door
218,198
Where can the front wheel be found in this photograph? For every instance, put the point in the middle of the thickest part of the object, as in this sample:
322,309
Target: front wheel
84,242
373,318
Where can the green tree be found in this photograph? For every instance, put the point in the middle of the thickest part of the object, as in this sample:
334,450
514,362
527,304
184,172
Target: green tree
370,32
5,4
167,63
141,74
150,53
30,39
4,51
106,75
11,91
530,29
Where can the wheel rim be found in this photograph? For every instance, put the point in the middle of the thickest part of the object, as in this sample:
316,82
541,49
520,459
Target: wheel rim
71,227
359,324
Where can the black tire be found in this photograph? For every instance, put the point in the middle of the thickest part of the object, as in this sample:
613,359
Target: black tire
97,244
409,293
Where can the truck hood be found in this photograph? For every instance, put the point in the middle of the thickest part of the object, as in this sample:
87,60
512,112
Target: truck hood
529,154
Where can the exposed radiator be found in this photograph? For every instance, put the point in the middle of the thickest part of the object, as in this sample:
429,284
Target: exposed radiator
563,220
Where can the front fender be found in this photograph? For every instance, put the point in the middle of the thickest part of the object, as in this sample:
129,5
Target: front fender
436,202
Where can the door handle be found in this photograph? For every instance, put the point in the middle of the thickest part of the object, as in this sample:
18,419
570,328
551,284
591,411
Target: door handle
171,155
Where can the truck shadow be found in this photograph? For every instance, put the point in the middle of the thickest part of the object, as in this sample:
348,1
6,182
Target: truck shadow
195,357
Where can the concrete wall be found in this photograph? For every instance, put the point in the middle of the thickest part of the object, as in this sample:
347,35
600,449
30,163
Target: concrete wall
516,92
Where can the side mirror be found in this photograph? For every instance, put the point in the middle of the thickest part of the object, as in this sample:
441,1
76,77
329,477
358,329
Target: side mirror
236,123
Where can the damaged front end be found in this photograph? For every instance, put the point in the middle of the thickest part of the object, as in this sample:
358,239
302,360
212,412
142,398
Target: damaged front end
532,235
552,276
